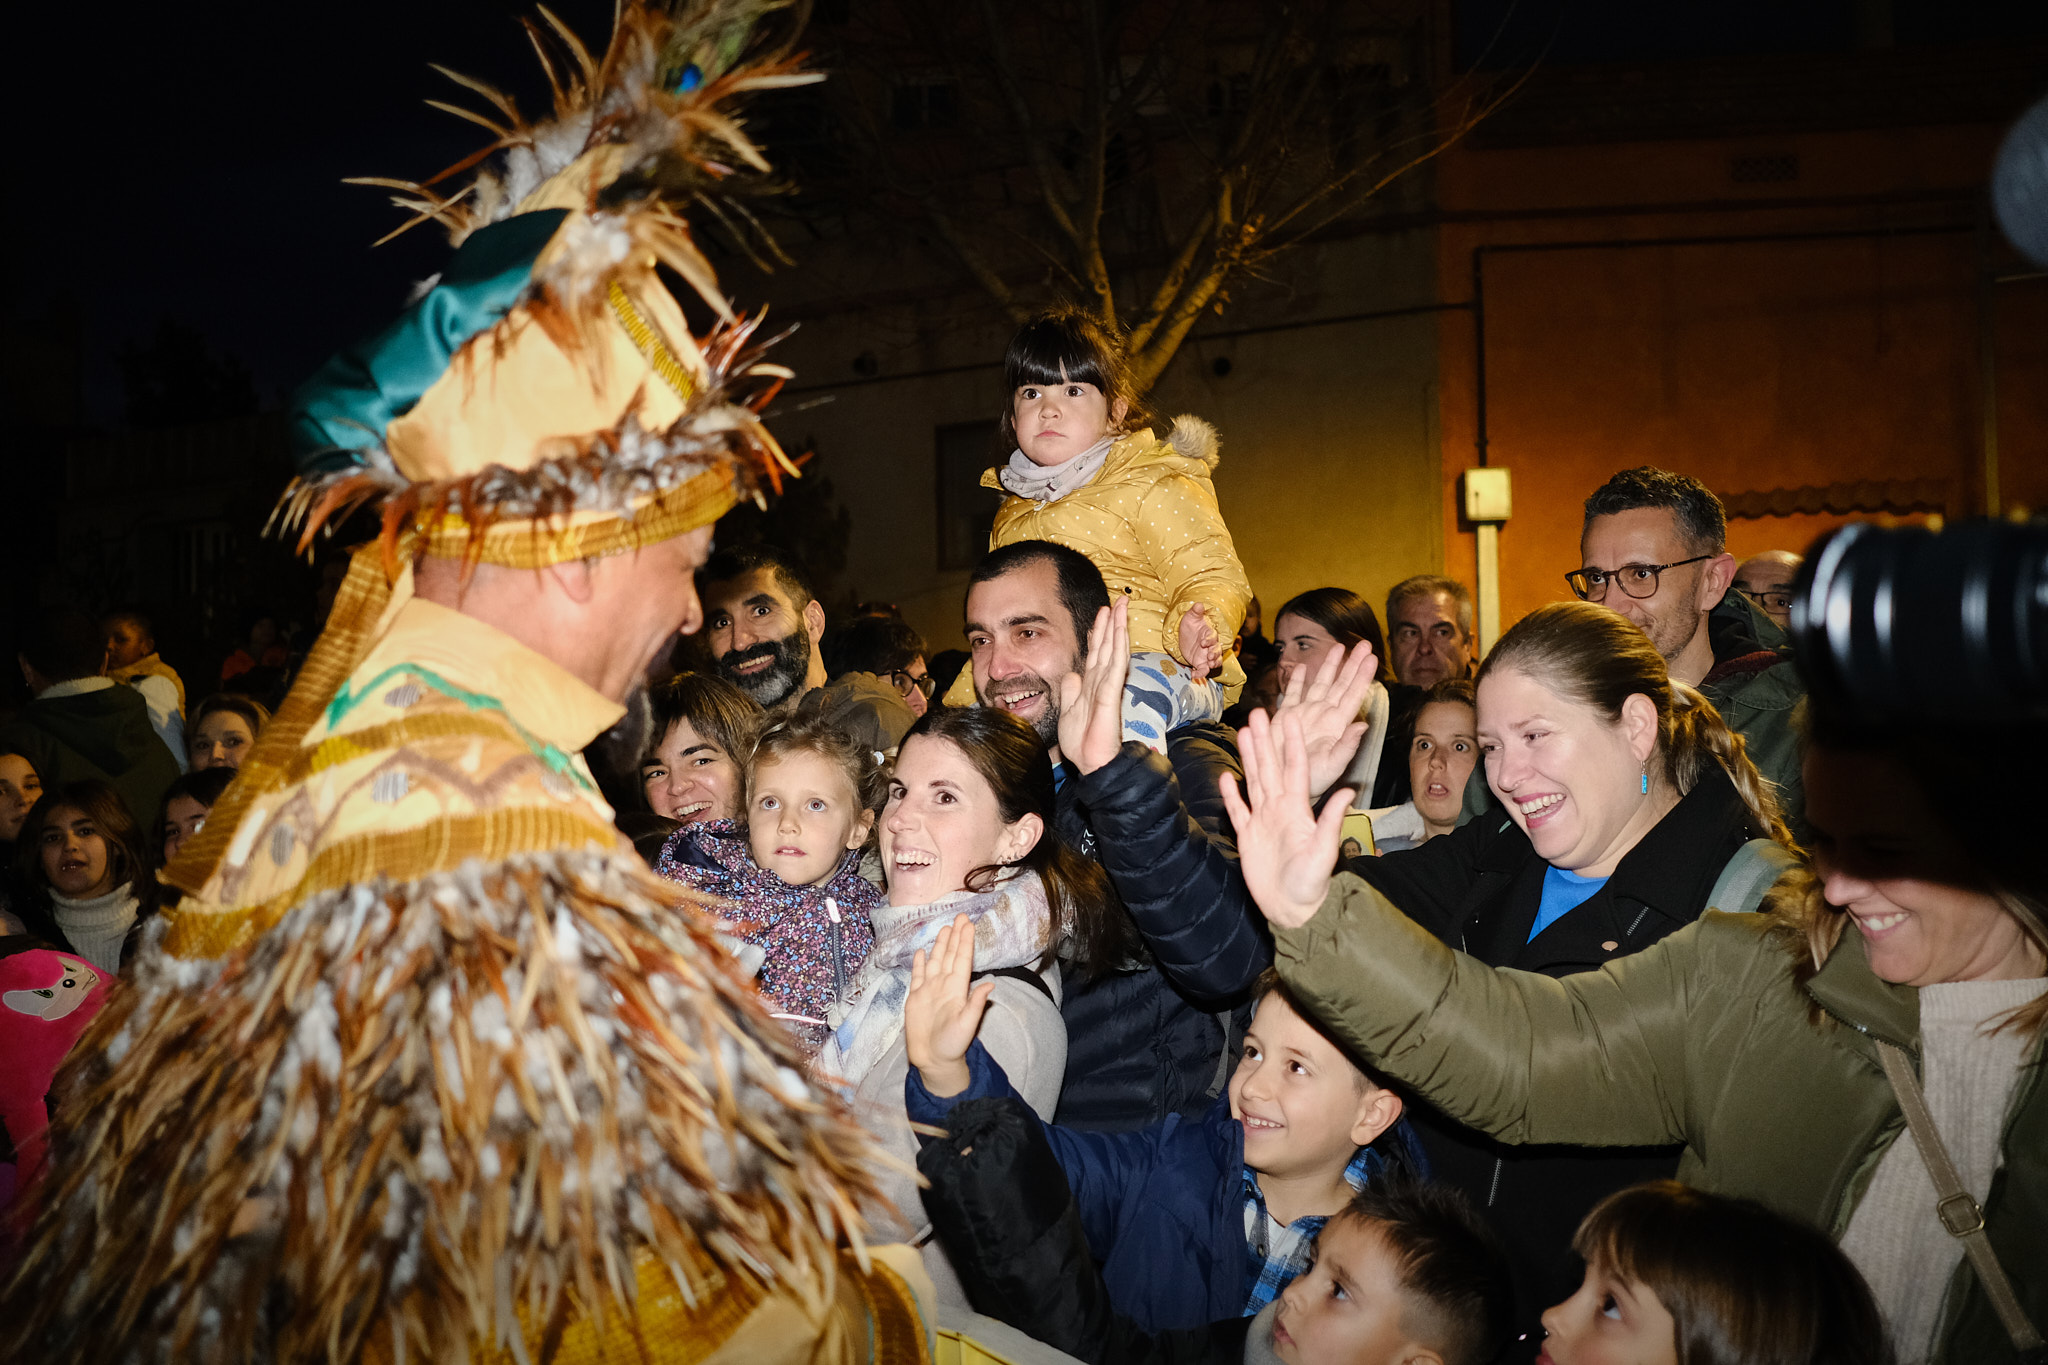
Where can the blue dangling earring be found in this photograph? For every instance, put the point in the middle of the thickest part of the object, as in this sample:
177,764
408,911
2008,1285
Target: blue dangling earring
1646,781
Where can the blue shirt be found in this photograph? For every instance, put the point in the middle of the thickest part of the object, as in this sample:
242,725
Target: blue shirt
1562,891
1278,1254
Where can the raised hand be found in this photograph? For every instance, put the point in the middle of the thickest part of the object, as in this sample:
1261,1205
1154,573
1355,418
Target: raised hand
1199,643
943,1010
1285,850
1092,701
1326,707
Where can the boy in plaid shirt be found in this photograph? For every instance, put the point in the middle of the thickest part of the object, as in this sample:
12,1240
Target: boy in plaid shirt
1191,1219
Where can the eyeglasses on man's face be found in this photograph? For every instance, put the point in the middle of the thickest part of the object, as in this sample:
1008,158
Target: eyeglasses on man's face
904,680
1636,580
1773,599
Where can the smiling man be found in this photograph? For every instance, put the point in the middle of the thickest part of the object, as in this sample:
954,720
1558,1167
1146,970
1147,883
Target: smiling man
1144,1039
1654,549
763,624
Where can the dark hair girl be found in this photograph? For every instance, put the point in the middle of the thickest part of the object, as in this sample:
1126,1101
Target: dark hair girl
83,852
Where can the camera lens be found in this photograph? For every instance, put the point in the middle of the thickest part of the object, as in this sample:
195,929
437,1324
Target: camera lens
1926,628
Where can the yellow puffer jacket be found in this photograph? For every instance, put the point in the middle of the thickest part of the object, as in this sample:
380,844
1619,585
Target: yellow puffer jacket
1150,522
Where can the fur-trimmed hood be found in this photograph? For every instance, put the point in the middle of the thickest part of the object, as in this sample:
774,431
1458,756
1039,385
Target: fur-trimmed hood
1195,438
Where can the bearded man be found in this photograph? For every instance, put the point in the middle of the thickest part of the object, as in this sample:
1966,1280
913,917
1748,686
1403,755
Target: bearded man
763,625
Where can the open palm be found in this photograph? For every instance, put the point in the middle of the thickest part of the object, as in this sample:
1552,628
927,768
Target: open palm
1327,706
1092,701
942,1012
1284,848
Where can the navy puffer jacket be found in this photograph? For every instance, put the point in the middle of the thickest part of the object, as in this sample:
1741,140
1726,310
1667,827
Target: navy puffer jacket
1156,1038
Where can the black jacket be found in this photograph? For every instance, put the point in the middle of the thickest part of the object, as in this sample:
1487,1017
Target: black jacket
1153,1040
1478,889
1001,1206
103,734
1758,691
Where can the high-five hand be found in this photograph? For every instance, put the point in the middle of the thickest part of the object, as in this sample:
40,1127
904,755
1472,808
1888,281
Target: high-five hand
942,1012
1285,850
1092,701
1327,706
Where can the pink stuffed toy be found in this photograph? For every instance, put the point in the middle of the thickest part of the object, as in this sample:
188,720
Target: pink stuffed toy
47,998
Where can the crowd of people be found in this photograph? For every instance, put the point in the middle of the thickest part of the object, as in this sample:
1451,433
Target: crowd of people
1140,986
1064,932
1069,909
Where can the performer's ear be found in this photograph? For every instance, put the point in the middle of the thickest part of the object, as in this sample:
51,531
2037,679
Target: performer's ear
574,579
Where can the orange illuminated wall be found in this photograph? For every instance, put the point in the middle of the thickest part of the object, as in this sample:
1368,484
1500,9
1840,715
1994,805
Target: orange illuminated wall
1849,362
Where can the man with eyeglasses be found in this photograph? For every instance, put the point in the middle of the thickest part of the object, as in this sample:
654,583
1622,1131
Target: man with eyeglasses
1654,549
1768,577
884,644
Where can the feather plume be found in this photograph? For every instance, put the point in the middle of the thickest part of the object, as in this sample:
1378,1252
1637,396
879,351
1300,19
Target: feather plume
639,135
596,1079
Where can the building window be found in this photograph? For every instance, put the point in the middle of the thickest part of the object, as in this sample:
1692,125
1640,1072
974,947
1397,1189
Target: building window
967,511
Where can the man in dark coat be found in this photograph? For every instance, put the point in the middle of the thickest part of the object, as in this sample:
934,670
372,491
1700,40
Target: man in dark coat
1152,1037
1655,549
82,725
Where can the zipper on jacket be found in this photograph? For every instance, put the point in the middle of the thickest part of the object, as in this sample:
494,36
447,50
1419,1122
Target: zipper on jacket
838,950
1493,1190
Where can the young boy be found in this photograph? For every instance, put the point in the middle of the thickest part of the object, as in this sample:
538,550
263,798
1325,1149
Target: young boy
1405,1274
1191,1220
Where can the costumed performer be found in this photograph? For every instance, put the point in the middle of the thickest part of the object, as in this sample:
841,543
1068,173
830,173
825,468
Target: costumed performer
426,1065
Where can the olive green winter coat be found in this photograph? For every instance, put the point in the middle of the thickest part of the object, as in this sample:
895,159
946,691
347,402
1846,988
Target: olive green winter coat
1705,1038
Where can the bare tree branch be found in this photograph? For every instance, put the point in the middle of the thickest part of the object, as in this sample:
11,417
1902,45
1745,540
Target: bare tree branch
1140,156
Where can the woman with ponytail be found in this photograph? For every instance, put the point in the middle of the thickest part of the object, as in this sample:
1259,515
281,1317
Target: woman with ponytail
1625,798
1779,1050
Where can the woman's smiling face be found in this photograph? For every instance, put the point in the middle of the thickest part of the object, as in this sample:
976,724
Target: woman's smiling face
1885,860
689,778
1569,776
942,823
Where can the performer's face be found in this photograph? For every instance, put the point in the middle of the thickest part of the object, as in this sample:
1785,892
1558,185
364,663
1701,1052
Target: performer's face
649,596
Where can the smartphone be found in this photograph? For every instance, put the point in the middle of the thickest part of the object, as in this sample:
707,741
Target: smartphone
1357,829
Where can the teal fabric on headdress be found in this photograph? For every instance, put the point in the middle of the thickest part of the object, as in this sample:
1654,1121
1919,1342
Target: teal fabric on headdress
345,407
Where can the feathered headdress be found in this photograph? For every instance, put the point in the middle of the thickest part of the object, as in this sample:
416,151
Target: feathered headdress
543,399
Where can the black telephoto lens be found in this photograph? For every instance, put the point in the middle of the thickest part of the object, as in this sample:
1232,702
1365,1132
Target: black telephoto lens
1943,629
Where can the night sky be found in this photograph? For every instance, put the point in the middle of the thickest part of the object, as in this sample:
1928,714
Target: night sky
186,161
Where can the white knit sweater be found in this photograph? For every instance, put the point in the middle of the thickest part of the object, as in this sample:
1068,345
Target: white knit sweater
1968,1074
97,926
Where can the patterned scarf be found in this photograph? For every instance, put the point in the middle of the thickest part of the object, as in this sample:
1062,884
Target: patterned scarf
1012,928
1043,483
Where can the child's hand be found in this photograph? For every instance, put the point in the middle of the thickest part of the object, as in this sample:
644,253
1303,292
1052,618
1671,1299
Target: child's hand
1092,702
1199,644
1286,851
943,1012
1327,710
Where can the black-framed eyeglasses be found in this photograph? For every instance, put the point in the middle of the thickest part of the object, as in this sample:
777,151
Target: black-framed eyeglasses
1637,580
1773,599
923,682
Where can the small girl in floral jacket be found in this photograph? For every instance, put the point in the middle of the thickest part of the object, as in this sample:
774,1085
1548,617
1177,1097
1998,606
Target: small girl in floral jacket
791,866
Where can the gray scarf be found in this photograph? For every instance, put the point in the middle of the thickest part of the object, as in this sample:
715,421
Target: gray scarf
1043,483
1258,1341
